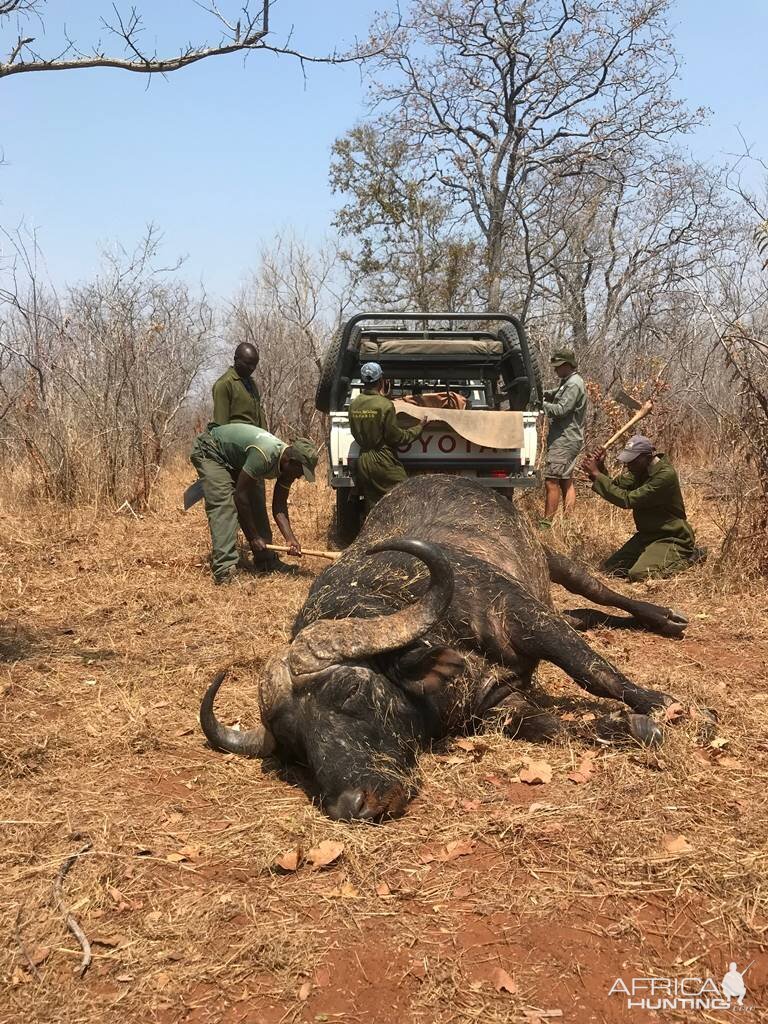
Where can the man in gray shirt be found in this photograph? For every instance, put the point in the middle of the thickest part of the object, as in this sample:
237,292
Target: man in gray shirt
566,409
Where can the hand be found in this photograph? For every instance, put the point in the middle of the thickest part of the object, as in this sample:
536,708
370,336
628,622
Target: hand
258,546
294,548
598,457
591,467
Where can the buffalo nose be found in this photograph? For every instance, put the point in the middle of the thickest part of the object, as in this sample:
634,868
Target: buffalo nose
351,804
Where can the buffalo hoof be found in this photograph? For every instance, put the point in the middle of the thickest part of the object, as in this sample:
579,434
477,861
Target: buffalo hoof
622,726
644,730
707,722
660,620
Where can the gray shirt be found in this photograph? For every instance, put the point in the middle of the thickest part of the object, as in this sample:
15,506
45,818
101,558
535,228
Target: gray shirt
566,407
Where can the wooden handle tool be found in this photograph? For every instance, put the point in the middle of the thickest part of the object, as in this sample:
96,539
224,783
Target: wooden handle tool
333,555
645,408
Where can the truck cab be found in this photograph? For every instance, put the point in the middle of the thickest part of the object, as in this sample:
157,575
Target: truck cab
448,361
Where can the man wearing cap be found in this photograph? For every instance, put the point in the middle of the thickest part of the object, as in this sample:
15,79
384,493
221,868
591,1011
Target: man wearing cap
373,422
232,461
664,543
566,409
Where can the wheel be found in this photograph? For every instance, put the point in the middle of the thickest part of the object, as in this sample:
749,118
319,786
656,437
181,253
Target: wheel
519,394
349,515
332,367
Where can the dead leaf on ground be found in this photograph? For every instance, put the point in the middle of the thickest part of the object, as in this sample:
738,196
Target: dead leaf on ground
39,954
382,889
325,853
346,890
289,860
676,844
585,771
674,712
110,941
161,979
729,762
122,902
124,978
458,848
475,747
470,805
191,852
537,773
305,991
504,982
718,743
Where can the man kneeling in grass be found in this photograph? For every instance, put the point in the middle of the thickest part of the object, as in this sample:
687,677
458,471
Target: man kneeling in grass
232,461
664,543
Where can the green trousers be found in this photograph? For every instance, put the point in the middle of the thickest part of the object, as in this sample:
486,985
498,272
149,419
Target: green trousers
643,557
219,493
378,471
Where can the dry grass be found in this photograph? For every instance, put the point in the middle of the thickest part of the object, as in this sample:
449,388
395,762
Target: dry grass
110,630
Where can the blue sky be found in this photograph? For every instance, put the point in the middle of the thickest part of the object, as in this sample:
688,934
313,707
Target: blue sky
223,154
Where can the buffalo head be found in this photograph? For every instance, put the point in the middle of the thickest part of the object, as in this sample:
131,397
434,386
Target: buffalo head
350,699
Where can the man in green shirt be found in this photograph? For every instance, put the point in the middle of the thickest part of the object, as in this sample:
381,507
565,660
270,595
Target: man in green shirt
374,426
566,409
664,543
236,399
232,461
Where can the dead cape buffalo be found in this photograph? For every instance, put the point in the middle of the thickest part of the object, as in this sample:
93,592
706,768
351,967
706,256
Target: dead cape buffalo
430,624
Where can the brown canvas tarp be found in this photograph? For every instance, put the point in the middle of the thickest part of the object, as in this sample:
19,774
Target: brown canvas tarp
430,346
488,429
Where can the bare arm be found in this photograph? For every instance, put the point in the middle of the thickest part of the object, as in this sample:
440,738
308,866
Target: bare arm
281,517
244,490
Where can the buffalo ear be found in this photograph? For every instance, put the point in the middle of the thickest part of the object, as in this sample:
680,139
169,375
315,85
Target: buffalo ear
427,669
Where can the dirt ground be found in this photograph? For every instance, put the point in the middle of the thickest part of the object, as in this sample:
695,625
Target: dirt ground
491,900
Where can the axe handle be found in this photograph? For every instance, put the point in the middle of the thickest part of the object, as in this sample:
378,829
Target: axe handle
333,555
641,414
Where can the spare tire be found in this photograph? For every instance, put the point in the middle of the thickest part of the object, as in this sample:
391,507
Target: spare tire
520,391
332,367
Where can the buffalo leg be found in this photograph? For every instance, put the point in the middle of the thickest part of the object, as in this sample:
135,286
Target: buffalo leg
577,580
520,718
538,632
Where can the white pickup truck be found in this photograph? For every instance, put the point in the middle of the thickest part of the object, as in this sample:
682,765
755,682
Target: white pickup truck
486,366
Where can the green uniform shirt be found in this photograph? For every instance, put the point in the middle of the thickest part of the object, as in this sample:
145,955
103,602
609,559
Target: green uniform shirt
236,400
241,446
566,407
373,422
656,503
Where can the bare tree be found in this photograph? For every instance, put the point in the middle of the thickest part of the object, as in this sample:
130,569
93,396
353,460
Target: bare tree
407,248
289,310
489,93
245,30
96,380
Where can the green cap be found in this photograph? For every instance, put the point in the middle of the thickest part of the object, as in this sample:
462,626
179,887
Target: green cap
563,355
303,451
